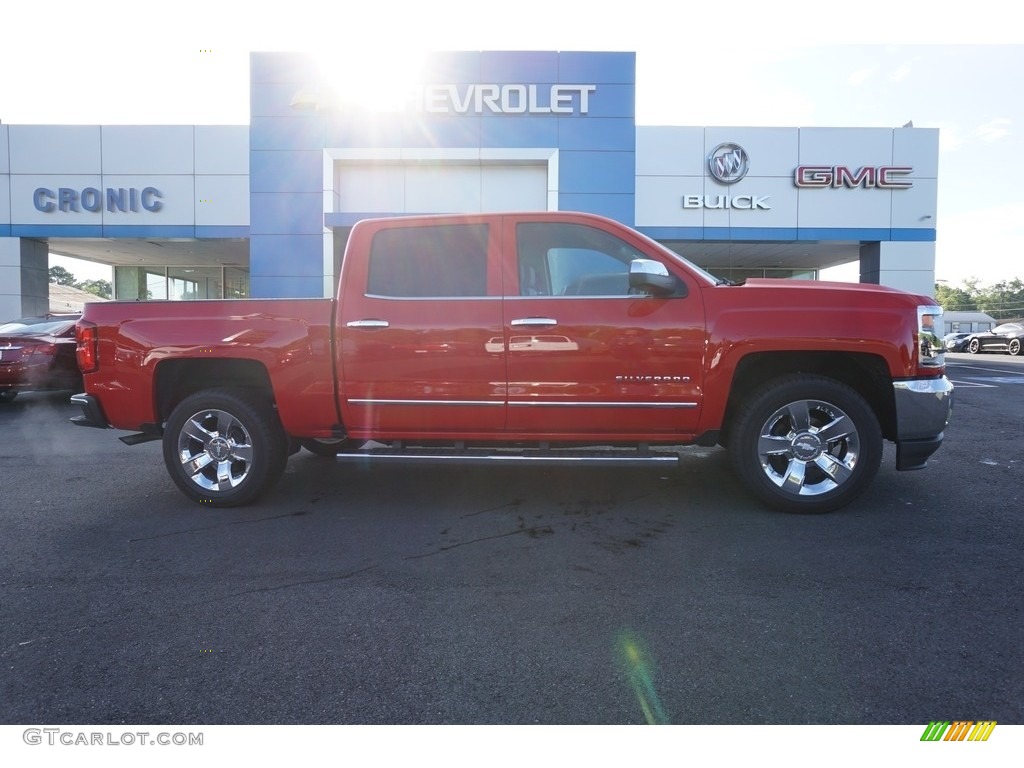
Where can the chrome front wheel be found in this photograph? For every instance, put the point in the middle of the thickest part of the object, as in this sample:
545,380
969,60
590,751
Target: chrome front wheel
808,447
806,444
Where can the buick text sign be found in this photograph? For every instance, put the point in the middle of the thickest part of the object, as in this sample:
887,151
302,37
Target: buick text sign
93,200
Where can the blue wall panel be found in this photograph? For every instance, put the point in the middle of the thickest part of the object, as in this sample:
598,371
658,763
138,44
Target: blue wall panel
453,67
600,133
518,131
618,207
300,132
274,99
285,287
519,67
583,67
273,213
283,255
597,172
286,171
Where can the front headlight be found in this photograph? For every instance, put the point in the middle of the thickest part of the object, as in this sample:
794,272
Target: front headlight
930,352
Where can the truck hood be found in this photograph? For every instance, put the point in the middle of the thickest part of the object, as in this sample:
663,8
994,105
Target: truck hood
823,291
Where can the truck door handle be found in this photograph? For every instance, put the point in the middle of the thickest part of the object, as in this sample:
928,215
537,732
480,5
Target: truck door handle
368,323
532,322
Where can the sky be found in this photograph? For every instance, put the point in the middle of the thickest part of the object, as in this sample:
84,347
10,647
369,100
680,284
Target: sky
955,67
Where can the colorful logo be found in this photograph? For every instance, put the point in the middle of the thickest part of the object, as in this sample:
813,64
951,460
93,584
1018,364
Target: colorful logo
958,730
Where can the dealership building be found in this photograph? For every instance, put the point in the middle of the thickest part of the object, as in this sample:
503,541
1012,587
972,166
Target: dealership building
264,209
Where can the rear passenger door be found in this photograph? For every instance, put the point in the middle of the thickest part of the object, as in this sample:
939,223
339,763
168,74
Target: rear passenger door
420,323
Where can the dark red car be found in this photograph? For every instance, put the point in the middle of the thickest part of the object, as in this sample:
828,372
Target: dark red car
38,353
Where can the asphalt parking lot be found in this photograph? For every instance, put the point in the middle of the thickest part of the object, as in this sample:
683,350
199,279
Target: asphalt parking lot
390,594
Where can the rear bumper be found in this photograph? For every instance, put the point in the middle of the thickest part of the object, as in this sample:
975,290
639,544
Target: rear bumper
923,409
92,412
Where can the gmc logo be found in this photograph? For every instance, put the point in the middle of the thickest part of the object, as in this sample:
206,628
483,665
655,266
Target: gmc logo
882,176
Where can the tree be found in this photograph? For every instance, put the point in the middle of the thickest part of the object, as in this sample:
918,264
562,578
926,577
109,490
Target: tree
1004,300
61,276
99,288
954,299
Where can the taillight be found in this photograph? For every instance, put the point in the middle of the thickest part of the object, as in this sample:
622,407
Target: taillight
87,350
41,349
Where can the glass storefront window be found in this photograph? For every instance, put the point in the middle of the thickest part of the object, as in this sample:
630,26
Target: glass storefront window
738,275
180,283
190,283
140,283
236,283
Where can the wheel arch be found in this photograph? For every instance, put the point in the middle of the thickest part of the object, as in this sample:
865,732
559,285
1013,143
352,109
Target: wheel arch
865,373
175,380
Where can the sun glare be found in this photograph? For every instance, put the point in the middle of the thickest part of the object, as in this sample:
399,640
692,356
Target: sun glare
369,82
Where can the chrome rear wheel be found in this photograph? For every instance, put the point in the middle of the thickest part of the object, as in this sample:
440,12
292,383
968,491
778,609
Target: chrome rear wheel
223,447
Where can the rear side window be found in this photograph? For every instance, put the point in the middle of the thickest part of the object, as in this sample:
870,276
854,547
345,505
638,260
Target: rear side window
429,262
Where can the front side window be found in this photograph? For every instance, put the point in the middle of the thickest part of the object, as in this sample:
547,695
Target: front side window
557,259
441,261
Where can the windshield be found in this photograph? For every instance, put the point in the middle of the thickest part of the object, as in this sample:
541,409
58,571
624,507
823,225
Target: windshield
682,260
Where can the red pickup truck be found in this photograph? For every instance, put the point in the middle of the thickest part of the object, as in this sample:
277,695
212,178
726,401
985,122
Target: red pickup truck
530,337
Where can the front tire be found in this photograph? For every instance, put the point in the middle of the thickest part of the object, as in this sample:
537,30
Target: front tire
974,346
224,447
7,396
1014,347
806,444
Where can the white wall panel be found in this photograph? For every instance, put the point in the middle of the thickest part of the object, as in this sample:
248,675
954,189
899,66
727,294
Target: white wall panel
5,153
659,201
222,149
772,151
858,208
907,256
178,200
5,199
914,208
150,149
10,253
56,149
442,189
669,151
222,201
845,146
23,210
918,148
514,188
370,189
782,199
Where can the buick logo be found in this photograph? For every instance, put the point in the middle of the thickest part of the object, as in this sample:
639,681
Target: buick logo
728,163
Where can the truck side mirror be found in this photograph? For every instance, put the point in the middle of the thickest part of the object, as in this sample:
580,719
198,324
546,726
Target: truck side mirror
651,277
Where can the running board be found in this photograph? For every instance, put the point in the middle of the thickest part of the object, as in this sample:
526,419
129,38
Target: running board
501,456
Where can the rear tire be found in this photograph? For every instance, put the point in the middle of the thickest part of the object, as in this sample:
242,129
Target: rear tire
8,396
1014,347
224,448
806,444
